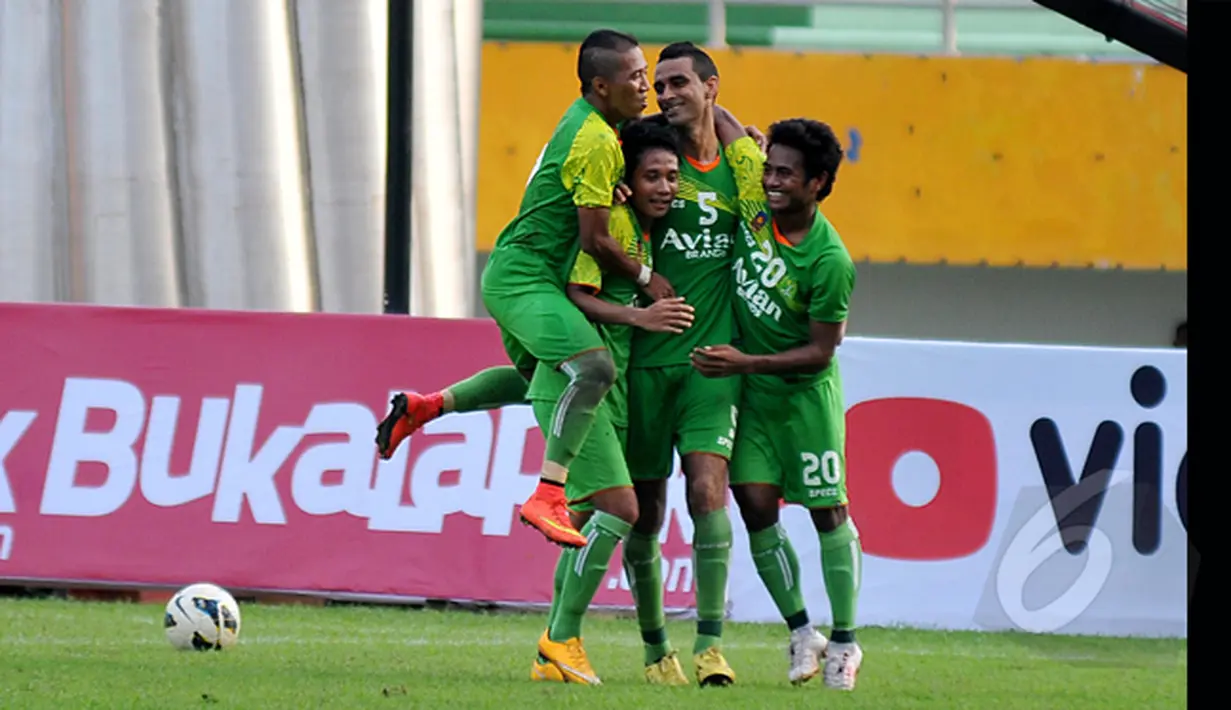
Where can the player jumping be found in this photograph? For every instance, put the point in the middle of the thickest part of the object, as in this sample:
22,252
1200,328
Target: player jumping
671,406
600,492
569,194
793,283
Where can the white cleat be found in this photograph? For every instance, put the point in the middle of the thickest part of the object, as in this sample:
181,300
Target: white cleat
842,665
806,653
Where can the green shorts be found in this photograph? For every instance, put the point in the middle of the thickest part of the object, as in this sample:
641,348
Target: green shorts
538,323
678,408
599,465
796,441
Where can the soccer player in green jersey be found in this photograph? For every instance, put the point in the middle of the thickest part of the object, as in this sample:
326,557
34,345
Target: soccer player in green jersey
600,495
566,209
671,406
793,280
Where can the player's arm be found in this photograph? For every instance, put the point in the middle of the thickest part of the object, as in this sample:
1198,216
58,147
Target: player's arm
806,359
592,171
833,281
669,315
747,162
728,128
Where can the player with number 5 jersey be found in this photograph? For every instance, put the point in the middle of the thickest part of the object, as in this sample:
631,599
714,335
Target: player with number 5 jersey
793,280
672,408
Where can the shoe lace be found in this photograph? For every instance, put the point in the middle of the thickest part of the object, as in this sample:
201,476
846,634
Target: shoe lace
577,655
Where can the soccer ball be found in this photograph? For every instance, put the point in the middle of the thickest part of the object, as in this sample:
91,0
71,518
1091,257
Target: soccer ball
202,617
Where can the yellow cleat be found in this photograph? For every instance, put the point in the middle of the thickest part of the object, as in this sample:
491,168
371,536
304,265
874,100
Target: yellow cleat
569,659
712,668
545,671
667,671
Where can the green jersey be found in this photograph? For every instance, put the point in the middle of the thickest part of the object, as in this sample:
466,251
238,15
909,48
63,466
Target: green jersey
579,167
692,250
780,287
619,290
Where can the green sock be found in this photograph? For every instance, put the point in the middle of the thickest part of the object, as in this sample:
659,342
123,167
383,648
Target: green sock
842,565
489,389
585,573
589,380
711,555
643,566
557,585
778,566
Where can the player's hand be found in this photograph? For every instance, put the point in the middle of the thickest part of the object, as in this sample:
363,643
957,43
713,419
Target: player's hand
670,315
720,361
659,288
622,194
755,134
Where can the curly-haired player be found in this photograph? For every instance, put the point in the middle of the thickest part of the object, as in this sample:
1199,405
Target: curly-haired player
793,283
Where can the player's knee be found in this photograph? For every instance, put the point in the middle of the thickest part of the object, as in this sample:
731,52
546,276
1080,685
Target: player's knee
621,503
651,506
758,506
827,520
650,517
593,372
579,518
707,488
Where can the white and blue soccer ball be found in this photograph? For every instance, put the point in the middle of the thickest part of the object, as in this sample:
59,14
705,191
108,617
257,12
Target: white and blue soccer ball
202,617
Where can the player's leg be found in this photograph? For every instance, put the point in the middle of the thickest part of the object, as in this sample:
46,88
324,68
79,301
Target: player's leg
643,568
603,498
757,483
818,426
492,388
649,456
706,433
551,329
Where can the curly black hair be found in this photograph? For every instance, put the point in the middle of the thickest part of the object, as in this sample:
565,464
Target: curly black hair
816,142
640,136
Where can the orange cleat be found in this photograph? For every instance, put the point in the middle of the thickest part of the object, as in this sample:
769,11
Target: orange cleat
408,413
547,512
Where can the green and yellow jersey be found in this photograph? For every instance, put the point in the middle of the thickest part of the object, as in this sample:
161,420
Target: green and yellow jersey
625,229
692,250
780,287
579,167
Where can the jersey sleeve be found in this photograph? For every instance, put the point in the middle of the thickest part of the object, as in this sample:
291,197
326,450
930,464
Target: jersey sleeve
621,224
586,273
833,281
593,166
747,164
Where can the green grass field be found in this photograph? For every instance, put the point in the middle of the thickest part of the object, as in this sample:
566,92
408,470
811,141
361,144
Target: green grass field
68,654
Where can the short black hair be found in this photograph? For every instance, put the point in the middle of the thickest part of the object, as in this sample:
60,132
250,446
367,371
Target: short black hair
816,142
702,63
640,136
599,55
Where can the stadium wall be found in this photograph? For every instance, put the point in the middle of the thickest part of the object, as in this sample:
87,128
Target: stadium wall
966,161
984,198
136,434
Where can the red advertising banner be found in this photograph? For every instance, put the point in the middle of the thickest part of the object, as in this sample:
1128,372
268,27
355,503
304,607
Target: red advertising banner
162,447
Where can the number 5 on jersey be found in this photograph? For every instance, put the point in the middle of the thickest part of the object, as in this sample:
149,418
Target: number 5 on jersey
709,213
822,471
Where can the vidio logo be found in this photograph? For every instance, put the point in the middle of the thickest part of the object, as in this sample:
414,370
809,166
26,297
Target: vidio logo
1067,523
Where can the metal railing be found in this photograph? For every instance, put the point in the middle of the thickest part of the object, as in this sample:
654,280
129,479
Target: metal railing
717,37
717,12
